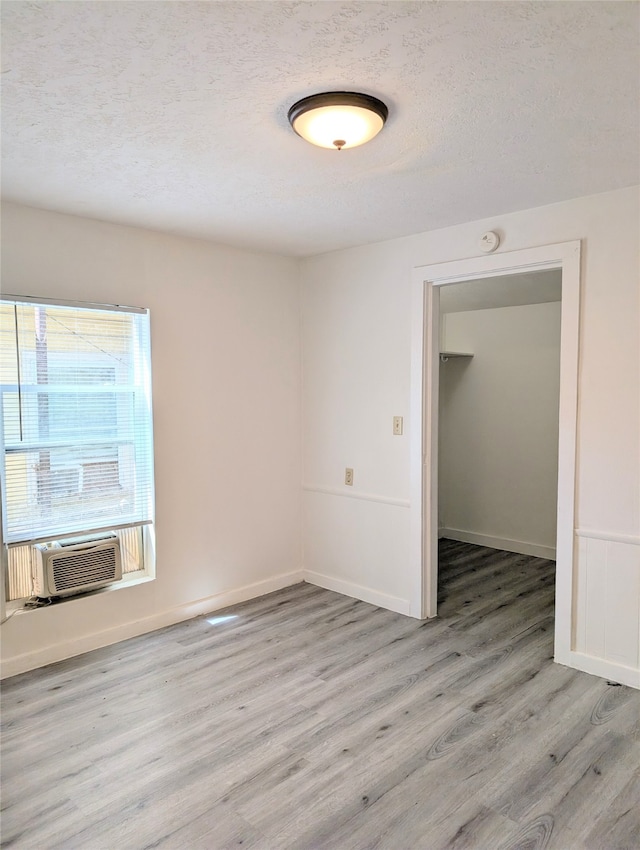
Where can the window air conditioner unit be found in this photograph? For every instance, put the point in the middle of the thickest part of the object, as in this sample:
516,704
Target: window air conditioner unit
65,567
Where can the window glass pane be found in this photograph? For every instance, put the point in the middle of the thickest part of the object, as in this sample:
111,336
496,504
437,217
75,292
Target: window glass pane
76,405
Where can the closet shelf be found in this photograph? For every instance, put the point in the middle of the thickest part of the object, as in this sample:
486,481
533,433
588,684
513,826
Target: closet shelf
445,355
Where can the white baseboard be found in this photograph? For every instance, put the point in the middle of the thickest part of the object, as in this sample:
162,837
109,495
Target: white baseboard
67,649
366,594
504,543
600,667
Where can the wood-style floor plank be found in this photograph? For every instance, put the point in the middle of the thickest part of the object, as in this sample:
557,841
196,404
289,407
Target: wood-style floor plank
306,719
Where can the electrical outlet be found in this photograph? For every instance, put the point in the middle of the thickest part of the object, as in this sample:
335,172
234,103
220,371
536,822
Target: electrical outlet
348,477
397,426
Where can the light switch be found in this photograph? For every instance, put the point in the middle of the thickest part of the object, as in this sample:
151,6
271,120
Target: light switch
397,426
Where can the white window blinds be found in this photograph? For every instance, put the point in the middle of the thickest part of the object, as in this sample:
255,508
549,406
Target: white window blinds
76,419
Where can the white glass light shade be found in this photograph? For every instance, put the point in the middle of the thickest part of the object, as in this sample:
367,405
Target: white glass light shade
338,120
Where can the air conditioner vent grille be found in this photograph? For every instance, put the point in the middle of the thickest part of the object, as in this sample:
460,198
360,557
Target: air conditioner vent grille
84,568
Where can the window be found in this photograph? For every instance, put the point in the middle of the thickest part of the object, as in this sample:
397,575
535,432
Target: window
76,427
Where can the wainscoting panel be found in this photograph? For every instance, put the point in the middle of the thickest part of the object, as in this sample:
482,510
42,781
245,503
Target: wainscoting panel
608,590
358,545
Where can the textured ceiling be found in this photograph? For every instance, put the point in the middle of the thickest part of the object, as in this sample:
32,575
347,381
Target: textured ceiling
172,115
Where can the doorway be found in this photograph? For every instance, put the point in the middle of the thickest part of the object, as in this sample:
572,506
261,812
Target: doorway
498,422
427,281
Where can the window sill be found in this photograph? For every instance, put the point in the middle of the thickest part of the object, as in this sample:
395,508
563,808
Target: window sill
132,579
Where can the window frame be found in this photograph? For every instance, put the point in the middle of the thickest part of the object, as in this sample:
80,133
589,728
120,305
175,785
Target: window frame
147,570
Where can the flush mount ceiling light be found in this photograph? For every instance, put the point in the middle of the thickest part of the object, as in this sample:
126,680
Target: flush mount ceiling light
338,119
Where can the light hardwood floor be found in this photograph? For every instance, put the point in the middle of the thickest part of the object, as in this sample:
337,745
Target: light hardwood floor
306,719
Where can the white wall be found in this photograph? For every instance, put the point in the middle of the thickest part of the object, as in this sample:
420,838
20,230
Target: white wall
226,362
498,457
226,383
356,353
356,323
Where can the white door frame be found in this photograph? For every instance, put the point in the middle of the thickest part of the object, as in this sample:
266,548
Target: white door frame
423,417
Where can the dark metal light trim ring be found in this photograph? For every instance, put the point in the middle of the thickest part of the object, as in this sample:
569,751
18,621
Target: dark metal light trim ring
338,98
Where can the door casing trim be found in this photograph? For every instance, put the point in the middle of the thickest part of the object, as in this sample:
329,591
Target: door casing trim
423,419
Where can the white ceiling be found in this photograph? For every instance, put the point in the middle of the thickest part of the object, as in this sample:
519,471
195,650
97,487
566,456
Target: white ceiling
173,115
509,290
